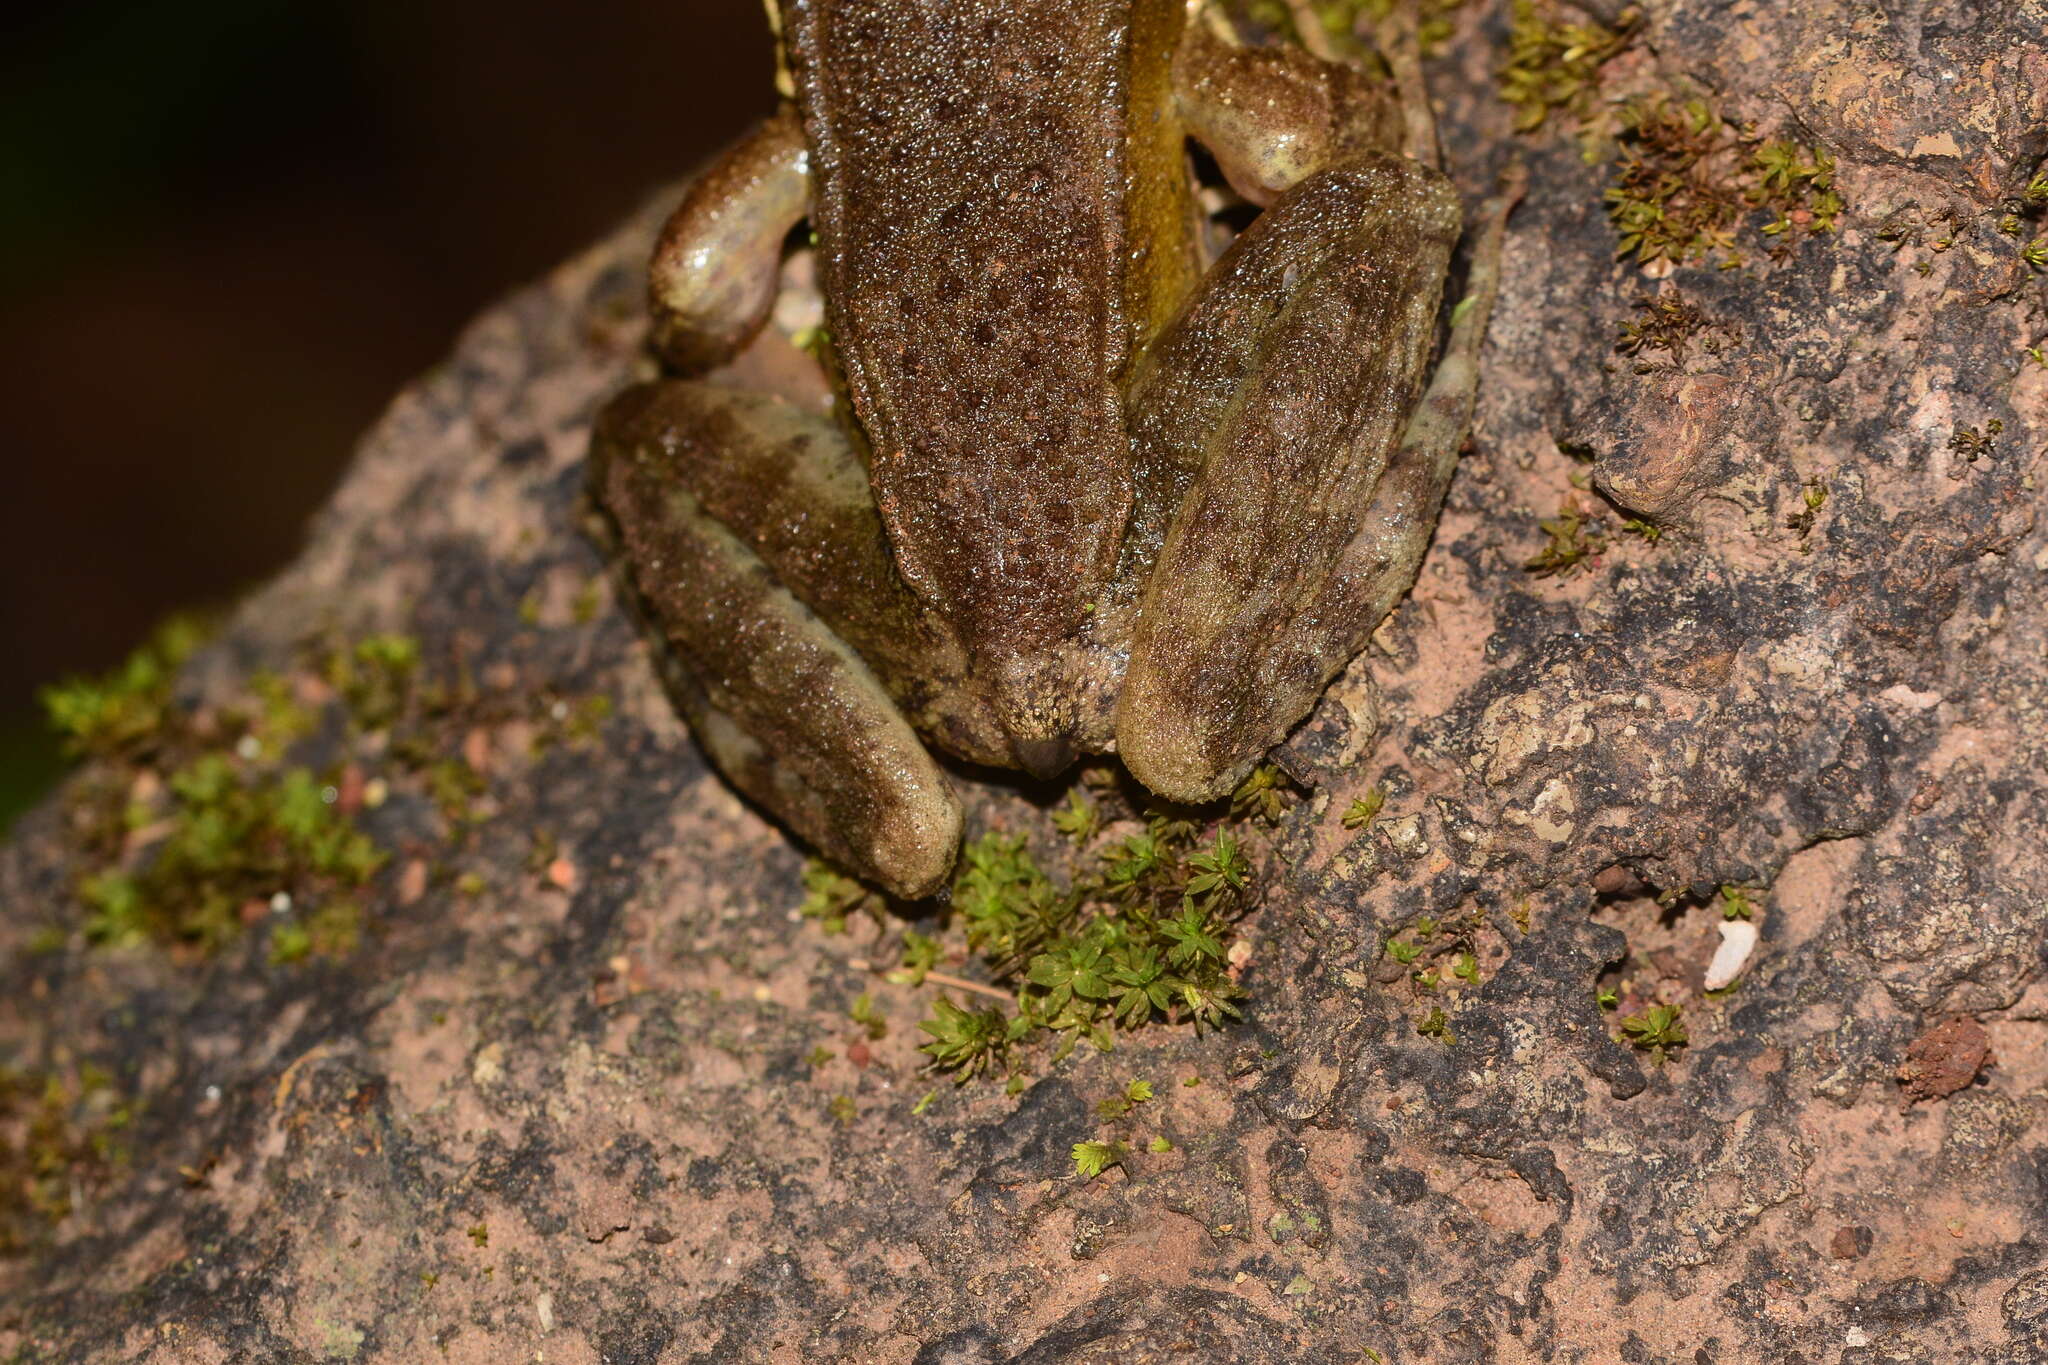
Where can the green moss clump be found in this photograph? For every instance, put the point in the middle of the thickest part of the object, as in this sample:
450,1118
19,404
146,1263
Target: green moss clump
1685,180
1141,934
61,1142
374,677
231,834
193,822
1572,542
1554,67
123,710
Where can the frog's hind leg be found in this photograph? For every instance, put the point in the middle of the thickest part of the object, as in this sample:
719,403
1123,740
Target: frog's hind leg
1380,564
757,562
1288,388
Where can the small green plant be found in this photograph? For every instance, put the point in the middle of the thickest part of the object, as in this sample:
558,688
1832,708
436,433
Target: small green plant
920,956
1093,1158
869,1016
1436,1024
232,835
1079,818
1685,180
1122,1103
831,897
2035,253
1402,951
1813,495
1735,903
1553,66
1262,794
1365,809
123,710
971,1043
375,677
1973,444
1161,1143
1571,542
1142,934
1658,1030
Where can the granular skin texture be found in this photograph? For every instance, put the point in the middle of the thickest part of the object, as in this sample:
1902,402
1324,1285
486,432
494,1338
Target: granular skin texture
577,1109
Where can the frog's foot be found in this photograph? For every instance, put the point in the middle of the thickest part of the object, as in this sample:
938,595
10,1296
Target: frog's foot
757,560
1315,494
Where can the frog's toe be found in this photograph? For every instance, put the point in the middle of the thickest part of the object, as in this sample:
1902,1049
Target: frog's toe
1168,749
1045,756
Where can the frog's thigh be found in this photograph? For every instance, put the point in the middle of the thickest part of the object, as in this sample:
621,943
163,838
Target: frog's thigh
779,699
1284,388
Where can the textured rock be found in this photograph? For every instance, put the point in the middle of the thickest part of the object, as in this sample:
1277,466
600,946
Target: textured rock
570,1110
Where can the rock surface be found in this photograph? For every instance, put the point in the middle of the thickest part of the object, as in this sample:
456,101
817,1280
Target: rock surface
566,1100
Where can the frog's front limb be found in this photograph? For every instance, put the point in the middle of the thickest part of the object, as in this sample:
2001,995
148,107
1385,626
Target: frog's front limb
1288,389
798,657
716,266
1273,116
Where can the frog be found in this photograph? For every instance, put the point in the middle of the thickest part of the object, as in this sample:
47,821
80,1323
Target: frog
1060,473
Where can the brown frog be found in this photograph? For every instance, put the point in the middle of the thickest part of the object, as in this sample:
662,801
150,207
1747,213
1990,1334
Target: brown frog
1073,487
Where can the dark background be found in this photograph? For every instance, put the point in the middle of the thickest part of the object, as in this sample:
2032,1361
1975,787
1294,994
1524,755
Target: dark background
230,230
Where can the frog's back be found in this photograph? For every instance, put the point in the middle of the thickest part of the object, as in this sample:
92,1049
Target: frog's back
986,266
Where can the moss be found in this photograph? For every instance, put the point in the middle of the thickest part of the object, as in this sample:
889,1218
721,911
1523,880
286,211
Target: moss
61,1145
1686,181
122,711
194,822
573,723
1365,809
1972,444
1572,541
1553,66
231,835
1137,932
374,677
1436,1024
1672,324
831,897
1813,495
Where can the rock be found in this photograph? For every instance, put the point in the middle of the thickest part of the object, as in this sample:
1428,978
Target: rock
1943,1060
584,1085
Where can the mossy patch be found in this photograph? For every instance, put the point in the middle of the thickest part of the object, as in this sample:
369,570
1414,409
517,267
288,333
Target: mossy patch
124,709
199,818
1689,186
1553,66
1126,923
62,1141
